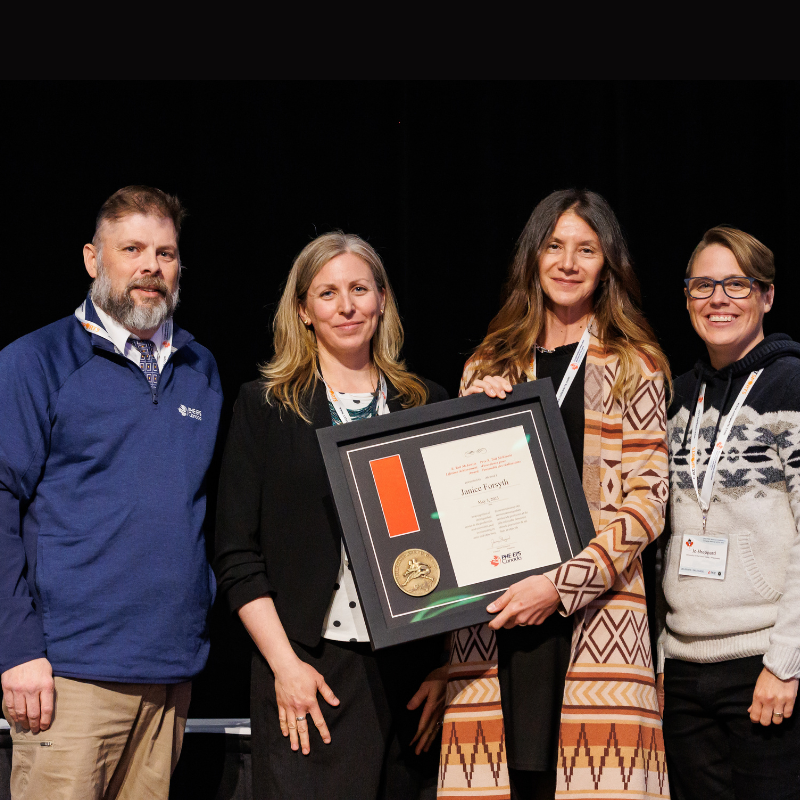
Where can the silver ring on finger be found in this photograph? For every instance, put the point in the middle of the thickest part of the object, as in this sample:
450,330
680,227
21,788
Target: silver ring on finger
300,719
777,713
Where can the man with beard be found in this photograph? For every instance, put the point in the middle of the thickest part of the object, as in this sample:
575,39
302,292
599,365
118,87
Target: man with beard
109,422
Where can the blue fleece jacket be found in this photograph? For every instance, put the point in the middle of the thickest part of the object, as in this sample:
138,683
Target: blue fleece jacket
103,567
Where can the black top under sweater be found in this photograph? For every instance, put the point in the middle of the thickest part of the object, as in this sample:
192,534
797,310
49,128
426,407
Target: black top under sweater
533,661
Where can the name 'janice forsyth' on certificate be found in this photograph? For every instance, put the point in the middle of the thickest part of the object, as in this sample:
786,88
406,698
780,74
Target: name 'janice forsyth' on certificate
490,505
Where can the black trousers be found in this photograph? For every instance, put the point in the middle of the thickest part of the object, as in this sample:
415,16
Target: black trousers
714,751
368,757
529,785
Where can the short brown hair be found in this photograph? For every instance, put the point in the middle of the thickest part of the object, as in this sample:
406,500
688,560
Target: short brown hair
140,200
754,258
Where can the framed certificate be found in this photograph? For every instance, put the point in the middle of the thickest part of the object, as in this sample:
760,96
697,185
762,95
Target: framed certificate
444,506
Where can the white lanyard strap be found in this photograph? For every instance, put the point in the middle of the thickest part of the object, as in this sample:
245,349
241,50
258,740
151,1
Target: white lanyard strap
704,494
165,345
572,369
338,405
96,330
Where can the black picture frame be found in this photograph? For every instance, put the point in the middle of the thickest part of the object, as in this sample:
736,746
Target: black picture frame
346,449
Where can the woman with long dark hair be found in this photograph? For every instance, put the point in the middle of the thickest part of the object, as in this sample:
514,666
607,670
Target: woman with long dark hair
566,701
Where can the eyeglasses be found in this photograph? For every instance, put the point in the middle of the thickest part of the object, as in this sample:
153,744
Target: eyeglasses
737,287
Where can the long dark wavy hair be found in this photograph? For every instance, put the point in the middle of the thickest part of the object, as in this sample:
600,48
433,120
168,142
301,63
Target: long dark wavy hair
619,322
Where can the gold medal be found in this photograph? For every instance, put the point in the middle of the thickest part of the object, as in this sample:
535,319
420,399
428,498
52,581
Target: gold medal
416,572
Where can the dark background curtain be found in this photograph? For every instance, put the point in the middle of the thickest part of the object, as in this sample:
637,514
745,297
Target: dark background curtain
439,177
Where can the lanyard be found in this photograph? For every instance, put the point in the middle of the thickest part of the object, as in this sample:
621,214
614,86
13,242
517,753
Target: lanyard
572,369
342,412
165,346
704,494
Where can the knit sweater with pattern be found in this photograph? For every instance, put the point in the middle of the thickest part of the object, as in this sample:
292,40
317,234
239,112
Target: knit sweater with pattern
755,506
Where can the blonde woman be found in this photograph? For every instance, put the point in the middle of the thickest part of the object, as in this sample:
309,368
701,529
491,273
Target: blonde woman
564,677
329,717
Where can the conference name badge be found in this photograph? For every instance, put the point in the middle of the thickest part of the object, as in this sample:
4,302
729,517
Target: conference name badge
703,556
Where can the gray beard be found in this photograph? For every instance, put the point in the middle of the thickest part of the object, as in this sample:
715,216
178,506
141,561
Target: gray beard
121,307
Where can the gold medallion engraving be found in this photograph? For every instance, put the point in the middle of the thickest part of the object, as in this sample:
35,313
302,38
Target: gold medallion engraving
416,572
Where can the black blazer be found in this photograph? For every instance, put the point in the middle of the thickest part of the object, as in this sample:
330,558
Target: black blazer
277,531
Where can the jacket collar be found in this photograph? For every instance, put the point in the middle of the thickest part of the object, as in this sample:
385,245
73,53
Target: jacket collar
100,339
769,349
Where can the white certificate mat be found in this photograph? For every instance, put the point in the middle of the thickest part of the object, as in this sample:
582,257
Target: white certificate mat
490,505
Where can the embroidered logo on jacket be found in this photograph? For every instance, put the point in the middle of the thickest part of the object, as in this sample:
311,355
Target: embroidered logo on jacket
193,413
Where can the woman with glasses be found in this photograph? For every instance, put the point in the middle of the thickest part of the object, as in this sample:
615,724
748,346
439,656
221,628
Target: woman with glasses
729,651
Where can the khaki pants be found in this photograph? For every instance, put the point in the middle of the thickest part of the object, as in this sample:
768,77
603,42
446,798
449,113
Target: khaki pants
107,741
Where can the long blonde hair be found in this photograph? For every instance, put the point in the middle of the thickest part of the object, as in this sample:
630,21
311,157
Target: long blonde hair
290,377
620,325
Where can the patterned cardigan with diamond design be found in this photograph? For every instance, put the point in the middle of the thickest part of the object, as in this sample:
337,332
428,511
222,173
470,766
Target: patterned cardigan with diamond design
610,742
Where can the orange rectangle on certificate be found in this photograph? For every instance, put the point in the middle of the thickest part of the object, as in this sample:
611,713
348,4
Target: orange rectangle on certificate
398,508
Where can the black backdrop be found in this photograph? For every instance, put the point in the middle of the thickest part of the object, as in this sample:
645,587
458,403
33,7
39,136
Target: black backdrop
439,177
